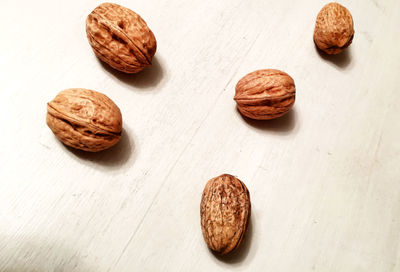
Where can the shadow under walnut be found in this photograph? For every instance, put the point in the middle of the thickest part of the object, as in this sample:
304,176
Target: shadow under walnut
114,157
341,60
148,78
284,124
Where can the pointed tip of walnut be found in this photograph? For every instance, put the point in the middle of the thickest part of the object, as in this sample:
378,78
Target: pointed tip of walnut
334,28
225,213
265,94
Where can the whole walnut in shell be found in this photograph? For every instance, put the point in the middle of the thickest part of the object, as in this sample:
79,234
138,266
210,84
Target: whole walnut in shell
334,29
225,213
265,94
120,38
84,119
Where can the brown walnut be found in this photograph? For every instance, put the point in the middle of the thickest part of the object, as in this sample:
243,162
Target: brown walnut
265,94
225,213
120,38
84,119
334,30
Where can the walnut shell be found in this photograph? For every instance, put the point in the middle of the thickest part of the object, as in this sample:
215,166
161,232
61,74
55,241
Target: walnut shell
120,38
333,29
84,119
225,213
265,94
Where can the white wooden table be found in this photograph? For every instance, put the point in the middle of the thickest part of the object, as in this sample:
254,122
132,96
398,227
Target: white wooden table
324,180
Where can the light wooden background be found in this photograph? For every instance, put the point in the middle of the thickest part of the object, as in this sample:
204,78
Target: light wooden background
324,180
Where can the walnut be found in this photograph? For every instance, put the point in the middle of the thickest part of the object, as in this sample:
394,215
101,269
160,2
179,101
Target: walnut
84,119
120,38
265,94
333,29
225,213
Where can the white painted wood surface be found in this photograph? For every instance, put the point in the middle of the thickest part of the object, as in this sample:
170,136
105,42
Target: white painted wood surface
324,180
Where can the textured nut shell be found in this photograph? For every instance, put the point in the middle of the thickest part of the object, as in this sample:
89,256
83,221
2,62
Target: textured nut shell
265,94
84,119
333,29
120,38
225,213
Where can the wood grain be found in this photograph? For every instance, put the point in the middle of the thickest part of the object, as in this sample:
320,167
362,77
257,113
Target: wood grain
324,178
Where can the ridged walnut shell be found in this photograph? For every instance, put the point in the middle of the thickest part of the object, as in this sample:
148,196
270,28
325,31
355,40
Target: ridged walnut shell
265,94
225,213
333,29
120,38
84,119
